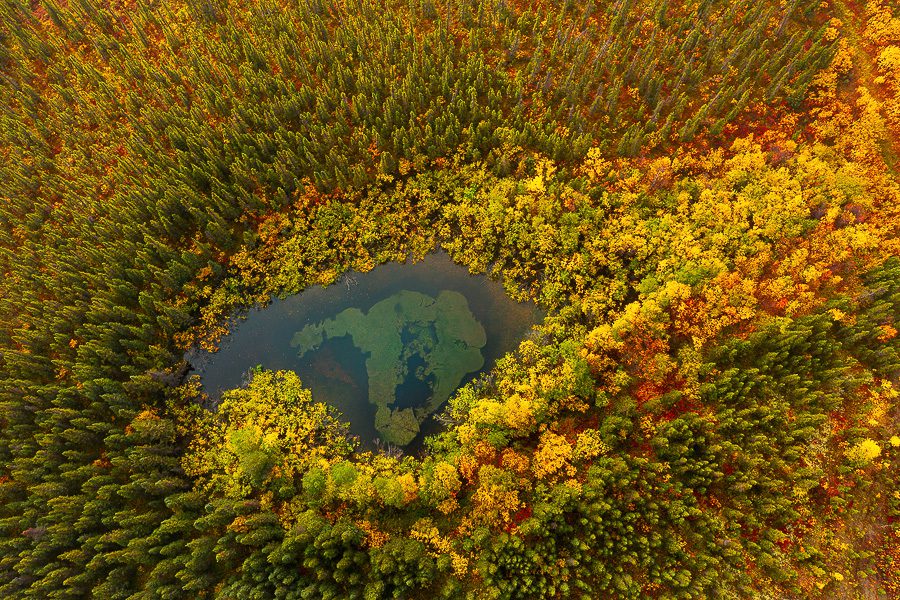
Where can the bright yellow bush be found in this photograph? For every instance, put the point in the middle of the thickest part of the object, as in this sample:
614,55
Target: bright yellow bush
552,456
864,452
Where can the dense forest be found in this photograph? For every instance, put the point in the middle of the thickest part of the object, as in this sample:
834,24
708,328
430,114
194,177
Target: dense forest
703,196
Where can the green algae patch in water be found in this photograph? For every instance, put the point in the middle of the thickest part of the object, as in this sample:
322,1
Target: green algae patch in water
441,331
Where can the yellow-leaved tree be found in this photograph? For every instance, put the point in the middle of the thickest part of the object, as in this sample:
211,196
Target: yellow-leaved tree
267,431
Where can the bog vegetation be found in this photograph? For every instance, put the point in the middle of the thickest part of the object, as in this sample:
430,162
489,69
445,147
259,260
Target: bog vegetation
703,195
441,331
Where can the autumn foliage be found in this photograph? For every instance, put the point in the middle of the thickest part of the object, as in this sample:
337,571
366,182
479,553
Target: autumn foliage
703,196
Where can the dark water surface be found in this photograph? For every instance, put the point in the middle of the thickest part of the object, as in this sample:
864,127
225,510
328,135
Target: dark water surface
336,371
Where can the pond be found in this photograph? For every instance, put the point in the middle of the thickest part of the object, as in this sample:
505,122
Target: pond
387,348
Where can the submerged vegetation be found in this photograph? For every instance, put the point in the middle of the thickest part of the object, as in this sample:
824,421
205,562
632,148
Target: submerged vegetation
702,195
441,331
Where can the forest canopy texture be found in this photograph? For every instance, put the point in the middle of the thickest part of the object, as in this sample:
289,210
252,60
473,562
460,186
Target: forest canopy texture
702,195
